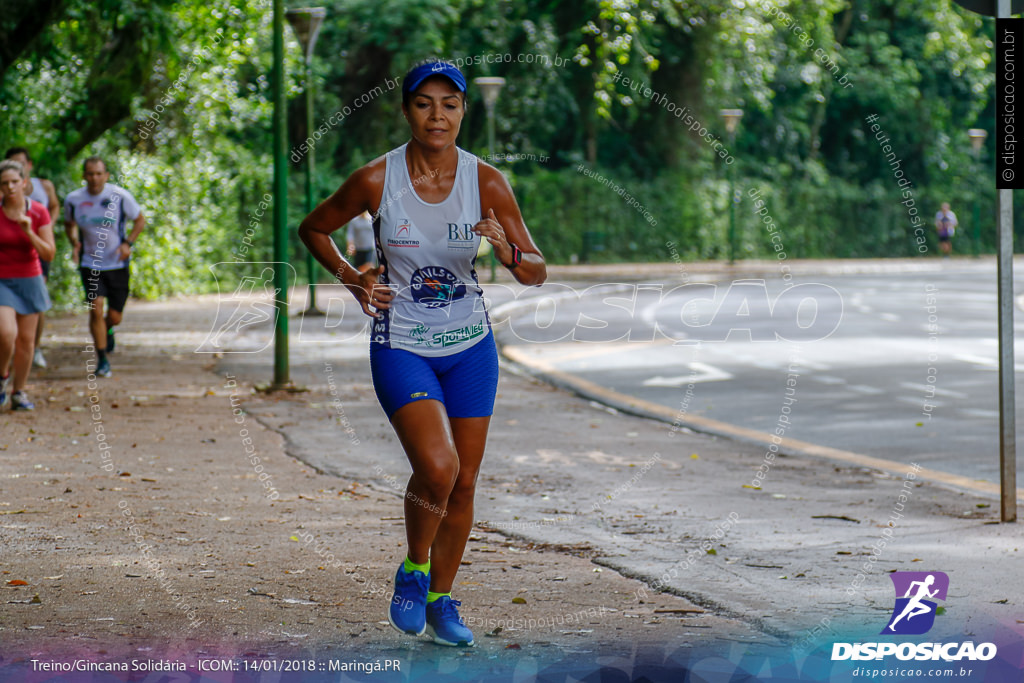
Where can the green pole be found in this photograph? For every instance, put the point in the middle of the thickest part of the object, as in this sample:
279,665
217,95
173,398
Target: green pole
977,226
310,162
732,216
490,151
977,209
281,378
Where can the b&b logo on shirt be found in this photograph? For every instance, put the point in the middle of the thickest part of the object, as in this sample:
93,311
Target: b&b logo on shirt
461,236
436,287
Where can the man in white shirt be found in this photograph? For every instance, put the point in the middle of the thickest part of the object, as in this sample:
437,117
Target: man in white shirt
362,244
101,210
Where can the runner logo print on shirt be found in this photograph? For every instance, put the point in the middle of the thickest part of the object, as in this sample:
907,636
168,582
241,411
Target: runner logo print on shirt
436,287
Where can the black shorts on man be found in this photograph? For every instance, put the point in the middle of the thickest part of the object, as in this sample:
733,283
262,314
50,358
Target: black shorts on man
112,284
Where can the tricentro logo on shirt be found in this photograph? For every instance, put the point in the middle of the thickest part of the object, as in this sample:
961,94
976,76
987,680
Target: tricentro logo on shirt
435,287
403,237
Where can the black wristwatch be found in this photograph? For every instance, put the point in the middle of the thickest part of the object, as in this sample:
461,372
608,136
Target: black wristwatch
517,257
130,243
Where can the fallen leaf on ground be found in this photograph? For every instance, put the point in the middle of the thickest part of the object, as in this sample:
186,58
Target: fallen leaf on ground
841,517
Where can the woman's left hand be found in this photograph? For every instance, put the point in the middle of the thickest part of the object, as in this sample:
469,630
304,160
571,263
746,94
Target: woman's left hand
491,229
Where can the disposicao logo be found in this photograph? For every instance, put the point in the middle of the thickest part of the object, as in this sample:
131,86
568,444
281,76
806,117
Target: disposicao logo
914,614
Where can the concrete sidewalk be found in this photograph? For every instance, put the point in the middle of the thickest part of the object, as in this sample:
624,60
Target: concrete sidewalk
176,541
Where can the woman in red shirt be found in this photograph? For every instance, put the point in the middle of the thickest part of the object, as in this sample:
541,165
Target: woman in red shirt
25,235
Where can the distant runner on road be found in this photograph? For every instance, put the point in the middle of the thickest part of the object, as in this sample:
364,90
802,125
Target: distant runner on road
945,225
101,210
361,242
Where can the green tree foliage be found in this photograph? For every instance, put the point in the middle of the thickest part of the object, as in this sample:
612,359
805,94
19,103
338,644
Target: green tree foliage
193,143
176,96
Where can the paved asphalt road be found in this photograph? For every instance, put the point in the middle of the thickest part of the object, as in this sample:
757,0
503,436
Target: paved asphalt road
901,366
561,471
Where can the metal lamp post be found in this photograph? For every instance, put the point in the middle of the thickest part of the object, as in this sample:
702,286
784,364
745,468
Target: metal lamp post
977,136
732,119
490,86
306,22
1002,9
281,380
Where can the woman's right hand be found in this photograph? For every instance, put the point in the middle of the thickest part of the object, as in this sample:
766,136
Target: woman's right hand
369,292
24,222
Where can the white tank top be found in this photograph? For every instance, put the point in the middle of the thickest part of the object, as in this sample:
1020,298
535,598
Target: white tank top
428,252
39,194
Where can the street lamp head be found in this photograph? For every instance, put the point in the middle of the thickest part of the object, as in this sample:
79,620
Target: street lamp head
732,118
977,136
305,22
489,86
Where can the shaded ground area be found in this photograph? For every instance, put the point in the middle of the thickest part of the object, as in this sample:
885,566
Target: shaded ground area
168,543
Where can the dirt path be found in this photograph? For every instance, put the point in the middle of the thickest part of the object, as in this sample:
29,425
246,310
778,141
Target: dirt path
133,523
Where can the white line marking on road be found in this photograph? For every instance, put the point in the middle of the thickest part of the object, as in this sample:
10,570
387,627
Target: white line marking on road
983,414
812,365
700,372
938,392
864,389
917,402
989,363
979,360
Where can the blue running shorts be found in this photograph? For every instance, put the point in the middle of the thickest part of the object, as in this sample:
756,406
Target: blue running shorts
464,382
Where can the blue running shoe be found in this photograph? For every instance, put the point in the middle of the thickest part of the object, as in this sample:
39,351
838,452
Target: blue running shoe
408,604
104,368
19,401
445,625
3,391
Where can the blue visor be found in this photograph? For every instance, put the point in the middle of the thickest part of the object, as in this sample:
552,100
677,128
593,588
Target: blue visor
424,71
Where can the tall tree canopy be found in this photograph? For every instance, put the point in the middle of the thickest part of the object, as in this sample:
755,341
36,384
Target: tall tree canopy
176,95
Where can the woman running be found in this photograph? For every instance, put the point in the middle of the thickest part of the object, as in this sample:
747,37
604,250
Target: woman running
26,235
432,353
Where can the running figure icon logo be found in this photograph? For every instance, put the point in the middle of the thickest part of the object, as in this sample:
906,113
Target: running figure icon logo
914,612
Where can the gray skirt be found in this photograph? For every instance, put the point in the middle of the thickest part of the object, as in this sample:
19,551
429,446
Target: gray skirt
26,295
